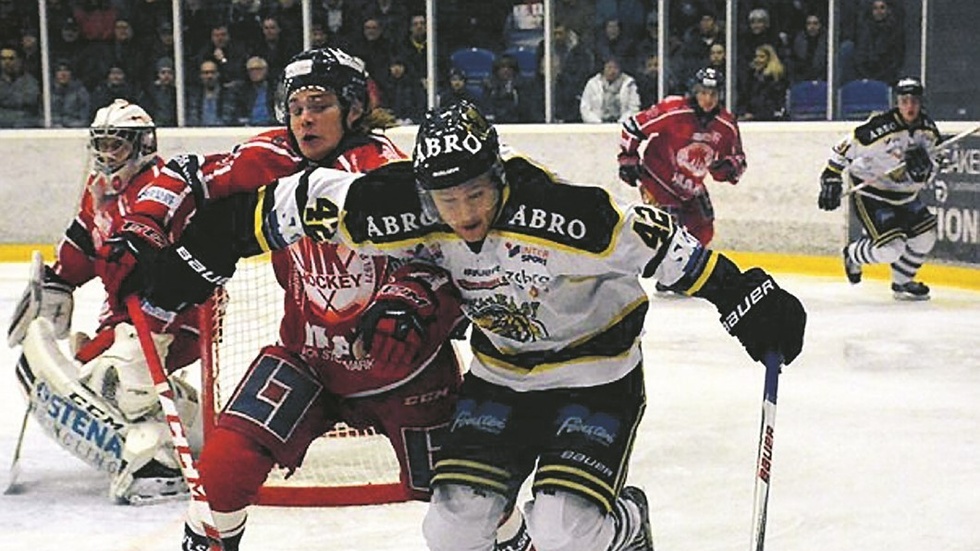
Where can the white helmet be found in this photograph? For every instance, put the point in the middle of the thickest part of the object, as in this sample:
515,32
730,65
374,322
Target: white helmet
122,140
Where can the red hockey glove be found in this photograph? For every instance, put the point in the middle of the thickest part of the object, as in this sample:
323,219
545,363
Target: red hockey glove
629,169
724,170
395,326
118,260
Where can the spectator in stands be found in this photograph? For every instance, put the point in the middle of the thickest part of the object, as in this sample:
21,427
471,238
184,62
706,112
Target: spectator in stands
613,43
573,64
472,23
15,17
290,16
125,52
578,16
70,101
760,32
717,58
255,96
96,19
245,21
318,35
31,50
413,48
879,48
161,45
69,46
631,15
115,85
609,96
392,15
649,44
809,60
275,47
147,16
503,92
160,97
763,90
20,93
456,91
373,48
340,19
647,82
402,93
524,25
210,102
696,45
226,51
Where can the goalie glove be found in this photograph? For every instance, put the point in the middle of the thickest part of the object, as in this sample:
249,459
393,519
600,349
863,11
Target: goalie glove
394,328
120,261
831,187
629,169
47,296
918,164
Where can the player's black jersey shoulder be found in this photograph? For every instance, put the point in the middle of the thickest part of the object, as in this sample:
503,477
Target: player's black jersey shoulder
878,126
581,217
383,206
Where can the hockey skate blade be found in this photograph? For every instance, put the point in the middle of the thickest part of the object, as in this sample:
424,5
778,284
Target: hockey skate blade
142,501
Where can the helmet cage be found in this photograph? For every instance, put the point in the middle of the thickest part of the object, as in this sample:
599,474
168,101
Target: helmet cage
122,140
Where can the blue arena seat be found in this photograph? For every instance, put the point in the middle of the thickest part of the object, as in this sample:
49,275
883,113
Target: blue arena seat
527,60
860,98
808,101
476,63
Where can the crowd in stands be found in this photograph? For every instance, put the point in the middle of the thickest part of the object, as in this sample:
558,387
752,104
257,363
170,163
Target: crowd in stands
604,57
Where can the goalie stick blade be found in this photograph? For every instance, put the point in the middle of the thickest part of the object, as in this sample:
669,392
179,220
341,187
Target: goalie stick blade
13,485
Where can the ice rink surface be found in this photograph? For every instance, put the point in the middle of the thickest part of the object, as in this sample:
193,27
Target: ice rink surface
877,443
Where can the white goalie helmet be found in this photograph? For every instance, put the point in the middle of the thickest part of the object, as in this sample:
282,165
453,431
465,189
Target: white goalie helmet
122,140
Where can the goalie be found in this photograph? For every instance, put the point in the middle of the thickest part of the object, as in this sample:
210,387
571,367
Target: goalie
100,404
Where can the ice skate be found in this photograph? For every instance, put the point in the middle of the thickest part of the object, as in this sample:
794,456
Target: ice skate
913,290
852,269
632,516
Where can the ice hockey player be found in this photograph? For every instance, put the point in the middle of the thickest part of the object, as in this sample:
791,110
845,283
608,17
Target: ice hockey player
549,275
686,139
323,99
101,405
889,159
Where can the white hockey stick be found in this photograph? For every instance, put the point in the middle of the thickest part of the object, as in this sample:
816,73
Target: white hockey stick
12,486
177,431
773,362
932,152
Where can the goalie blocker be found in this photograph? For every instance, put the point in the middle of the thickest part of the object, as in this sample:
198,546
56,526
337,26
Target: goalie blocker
102,413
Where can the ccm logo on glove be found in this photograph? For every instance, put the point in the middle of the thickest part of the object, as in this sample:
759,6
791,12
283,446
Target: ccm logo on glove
750,300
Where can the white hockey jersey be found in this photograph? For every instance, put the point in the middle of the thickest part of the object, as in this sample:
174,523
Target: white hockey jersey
553,291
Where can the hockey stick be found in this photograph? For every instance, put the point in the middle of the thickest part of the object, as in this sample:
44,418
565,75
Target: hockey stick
177,431
12,486
773,362
932,151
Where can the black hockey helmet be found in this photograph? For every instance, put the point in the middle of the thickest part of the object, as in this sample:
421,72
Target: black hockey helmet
708,77
330,69
454,145
909,86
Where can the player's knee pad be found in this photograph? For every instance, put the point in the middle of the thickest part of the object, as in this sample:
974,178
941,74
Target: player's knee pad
923,243
565,521
120,374
462,519
888,252
233,468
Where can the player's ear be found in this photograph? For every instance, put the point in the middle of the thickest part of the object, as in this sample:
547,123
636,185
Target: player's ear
354,114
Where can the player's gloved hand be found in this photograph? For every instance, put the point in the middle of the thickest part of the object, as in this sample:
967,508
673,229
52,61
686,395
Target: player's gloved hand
629,169
724,170
766,318
47,296
394,327
831,187
120,260
918,164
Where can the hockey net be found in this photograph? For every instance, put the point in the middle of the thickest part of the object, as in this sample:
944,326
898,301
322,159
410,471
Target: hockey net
346,466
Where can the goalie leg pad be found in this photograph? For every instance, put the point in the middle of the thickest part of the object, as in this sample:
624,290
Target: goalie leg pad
461,518
564,521
120,374
151,470
75,417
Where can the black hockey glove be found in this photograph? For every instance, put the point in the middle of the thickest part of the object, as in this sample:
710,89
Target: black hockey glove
120,261
765,318
724,170
831,187
394,327
629,169
918,164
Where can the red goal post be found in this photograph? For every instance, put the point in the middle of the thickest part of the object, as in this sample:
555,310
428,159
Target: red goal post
346,466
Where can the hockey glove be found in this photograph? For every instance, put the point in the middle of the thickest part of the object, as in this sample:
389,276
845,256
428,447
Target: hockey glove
831,187
629,169
918,165
47,296
394,327
120,262
765,318
724,170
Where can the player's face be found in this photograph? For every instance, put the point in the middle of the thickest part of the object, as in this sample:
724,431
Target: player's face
470,207
909,107
707,97
316,120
